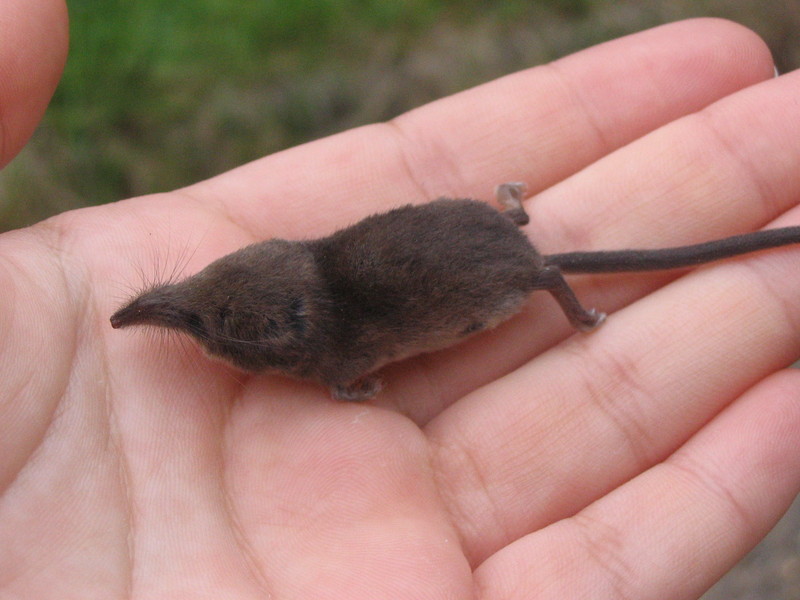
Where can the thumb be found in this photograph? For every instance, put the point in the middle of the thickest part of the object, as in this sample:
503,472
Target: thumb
33,49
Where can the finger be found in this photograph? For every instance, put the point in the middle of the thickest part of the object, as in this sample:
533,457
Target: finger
538,125
674,530
33,48
652,375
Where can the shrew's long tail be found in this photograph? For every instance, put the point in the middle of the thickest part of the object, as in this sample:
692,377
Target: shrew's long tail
610,261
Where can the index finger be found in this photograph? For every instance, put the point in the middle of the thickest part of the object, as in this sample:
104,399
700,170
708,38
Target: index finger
538,125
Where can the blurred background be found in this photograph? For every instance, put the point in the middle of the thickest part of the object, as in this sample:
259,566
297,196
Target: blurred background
158,94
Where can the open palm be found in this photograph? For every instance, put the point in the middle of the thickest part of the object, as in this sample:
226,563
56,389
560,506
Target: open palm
639,461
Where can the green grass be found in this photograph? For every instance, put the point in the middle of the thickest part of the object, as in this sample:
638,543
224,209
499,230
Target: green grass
157,94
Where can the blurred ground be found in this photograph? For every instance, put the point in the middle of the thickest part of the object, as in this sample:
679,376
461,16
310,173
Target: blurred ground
159,94
771,571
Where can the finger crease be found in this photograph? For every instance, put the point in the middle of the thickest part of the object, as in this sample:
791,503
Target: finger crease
741,162
239,536
448,173
603,545
613,385
707,479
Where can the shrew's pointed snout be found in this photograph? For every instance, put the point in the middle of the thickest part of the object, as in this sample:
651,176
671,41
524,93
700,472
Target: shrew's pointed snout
138,311
118,320
156,307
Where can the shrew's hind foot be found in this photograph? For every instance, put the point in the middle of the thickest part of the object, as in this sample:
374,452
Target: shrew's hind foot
551,279
594,319
509,196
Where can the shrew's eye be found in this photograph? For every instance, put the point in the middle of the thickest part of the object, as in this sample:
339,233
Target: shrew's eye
195,324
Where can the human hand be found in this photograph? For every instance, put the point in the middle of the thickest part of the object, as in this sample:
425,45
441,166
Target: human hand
639,461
